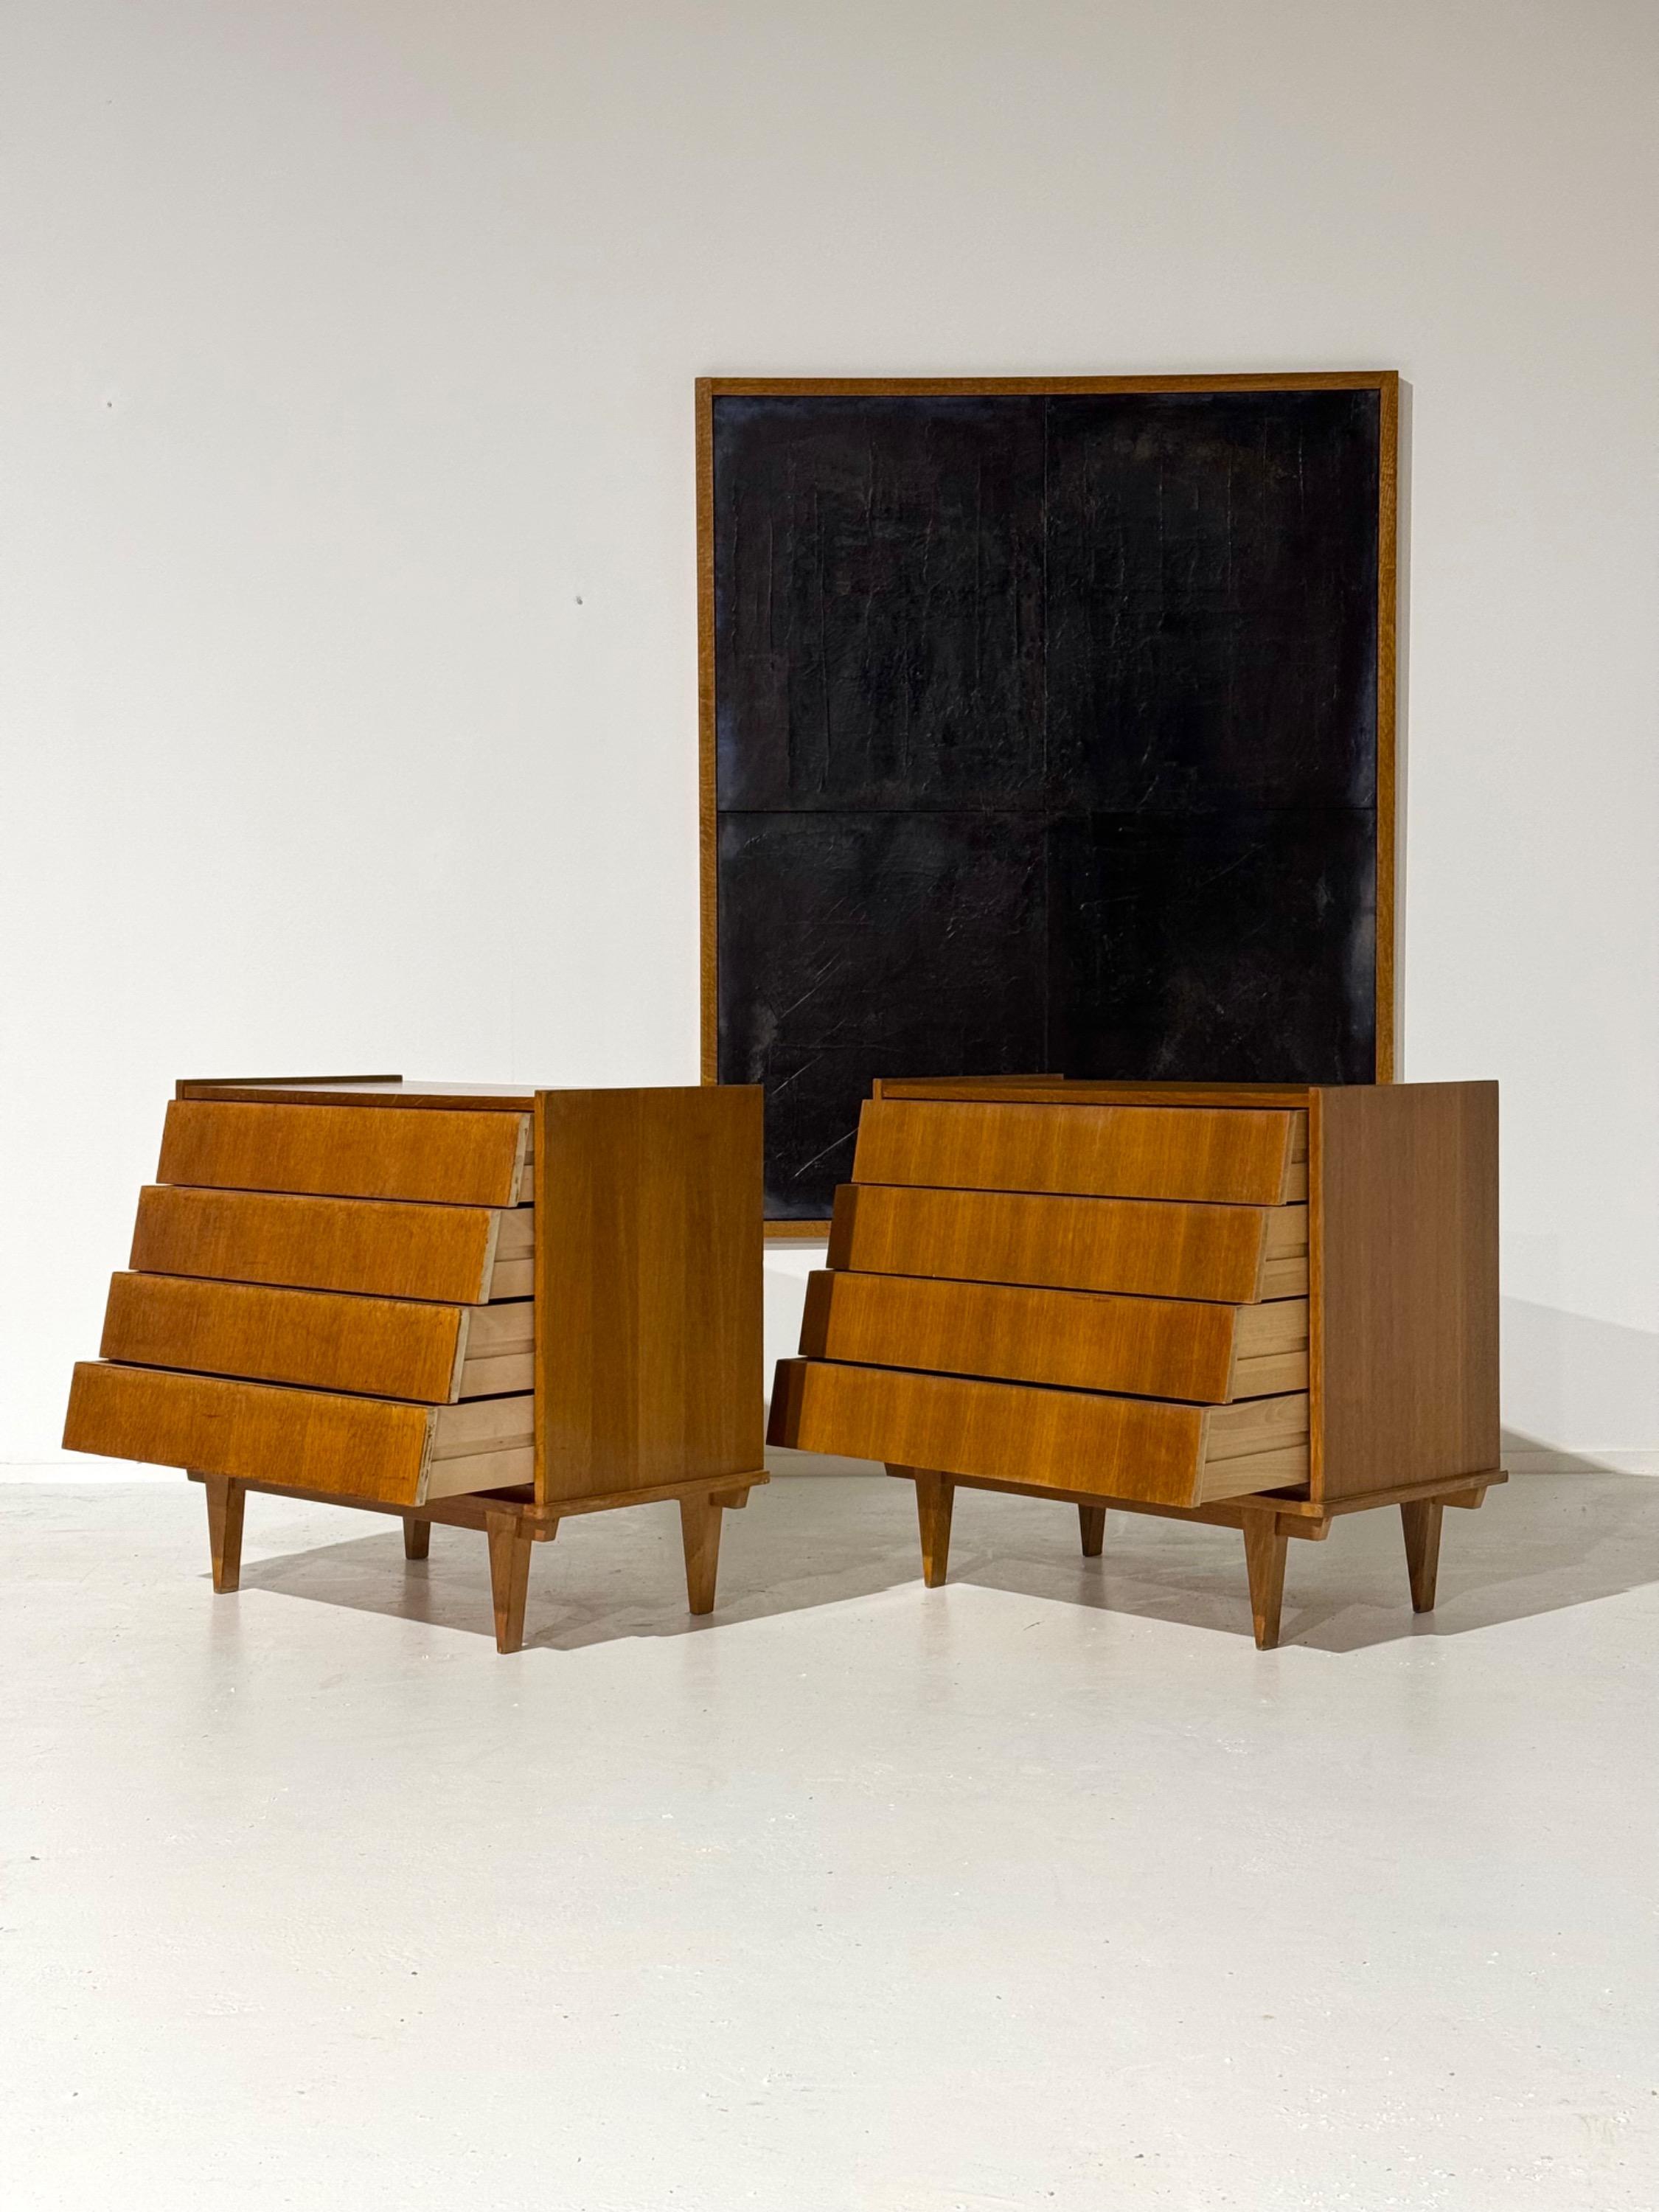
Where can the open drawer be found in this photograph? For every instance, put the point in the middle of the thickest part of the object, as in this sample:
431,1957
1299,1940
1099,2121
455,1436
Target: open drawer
316,1440
1074,1440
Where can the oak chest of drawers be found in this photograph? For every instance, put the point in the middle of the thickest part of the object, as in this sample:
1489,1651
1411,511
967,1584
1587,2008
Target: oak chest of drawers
1264,1306
490,1308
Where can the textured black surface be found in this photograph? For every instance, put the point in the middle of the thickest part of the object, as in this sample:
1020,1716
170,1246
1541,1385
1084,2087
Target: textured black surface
1046,739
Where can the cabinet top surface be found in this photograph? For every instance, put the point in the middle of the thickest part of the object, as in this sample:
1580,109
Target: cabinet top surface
1005,1091
360,1090
1056,1091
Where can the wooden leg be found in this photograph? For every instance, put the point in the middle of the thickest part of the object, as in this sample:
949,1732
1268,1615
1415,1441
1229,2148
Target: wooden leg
1091,1519
935,1495
418,1537
1265,1547
700,1532
510,1576
1421,1520
731,1501
226,1499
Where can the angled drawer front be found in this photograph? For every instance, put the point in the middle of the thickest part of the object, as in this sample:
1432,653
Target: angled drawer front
1071,1440
305,1439
1230,1253
1081,1340
441,1252
380,1347
309,1439
348,1152
1219,1156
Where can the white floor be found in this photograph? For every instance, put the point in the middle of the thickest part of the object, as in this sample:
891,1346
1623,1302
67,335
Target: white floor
1043,1890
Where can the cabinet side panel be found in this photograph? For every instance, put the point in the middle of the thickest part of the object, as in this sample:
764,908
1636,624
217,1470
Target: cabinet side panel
647,1287
1409,1265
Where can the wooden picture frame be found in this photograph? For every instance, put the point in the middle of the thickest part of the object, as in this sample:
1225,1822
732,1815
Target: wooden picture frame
1383,382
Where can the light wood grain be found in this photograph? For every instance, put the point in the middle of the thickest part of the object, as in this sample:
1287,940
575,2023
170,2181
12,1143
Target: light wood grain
509,1577
649,1210
1076,1440
226,1501
444,1253
700,1536
1408,1199
380,1347
345,1151
1217,1155
315,1440
1078,1340
1265,1548
1219,1253
1420,1520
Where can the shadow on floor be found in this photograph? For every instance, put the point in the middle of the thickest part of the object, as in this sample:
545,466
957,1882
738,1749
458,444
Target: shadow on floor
1541,1542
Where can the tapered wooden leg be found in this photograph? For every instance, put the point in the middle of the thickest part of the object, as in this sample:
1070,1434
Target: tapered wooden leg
1421,1519
935,1496
418,1537
1264,1559
1091,1519
699,1532
509,1577
226,1499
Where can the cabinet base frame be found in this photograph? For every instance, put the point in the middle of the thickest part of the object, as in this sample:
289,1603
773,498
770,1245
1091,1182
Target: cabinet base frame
1267,1523
513,1522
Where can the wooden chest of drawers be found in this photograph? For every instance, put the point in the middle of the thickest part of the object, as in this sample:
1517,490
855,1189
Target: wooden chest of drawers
491,1308
1267,1306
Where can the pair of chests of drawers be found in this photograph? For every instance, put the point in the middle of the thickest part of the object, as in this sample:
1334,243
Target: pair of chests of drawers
347,1290
1150,1262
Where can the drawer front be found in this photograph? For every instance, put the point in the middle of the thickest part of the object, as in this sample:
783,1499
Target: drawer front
441,1252
1063,1439
1079,1340
306,1439
1219,1157
348,1152
380,1347
1075,1440
1143,1247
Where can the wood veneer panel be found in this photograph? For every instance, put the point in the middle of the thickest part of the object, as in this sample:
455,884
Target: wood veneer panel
1078,1340
1046,1091
1146,1248
441,1252
361,1091
1076,1440
311,1439
648,1286
380,1347
1410,1290
1219,1155
345,1151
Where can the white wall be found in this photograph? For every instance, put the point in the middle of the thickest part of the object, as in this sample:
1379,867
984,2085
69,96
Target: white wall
347,681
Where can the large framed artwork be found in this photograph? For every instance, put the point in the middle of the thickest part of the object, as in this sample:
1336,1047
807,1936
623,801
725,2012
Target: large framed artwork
1048,726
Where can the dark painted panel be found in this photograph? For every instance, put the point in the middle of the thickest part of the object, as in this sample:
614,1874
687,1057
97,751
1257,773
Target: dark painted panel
853,944
1047,738
877,602
1234,947
1210,636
